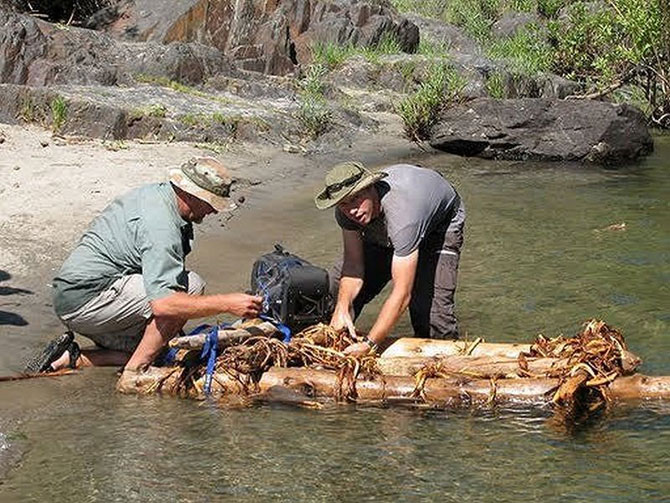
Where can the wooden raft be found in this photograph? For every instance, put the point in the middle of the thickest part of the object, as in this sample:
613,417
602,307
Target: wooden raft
417,372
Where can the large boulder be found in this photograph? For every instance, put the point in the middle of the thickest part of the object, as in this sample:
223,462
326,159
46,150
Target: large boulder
38,53
271,37
543,130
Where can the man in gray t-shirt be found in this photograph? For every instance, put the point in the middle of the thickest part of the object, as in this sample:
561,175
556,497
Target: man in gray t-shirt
403,223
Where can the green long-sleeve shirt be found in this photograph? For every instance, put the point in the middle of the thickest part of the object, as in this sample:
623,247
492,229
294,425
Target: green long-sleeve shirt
139,233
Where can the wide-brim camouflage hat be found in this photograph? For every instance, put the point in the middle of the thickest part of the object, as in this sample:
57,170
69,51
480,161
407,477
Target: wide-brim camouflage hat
345,179
205,178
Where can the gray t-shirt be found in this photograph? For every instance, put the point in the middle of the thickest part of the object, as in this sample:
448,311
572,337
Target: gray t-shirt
414,202
139,233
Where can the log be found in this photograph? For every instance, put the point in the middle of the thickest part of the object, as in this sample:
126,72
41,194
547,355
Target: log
225,336
444,392
457,390
410,346
640,387
484,367
307,386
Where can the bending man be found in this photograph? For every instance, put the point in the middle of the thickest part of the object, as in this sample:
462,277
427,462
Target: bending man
405,224
125,285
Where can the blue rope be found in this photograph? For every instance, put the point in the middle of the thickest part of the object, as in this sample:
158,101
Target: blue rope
171,354
209,352
286,331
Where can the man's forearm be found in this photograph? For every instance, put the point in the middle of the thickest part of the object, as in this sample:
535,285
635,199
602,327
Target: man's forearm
349,289
393,307
184,306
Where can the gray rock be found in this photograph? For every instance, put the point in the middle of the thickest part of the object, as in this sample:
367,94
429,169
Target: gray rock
513,22
543,130
445,35
38,53
543,85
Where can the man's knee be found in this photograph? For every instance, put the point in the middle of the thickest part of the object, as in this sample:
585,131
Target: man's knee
196,285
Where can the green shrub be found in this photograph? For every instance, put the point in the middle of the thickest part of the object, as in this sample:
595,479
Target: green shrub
474,16
387,45
550,8
314,115
331,55
495,85
420,110
58,113
433,49
312,82
527,51
27,110
598,45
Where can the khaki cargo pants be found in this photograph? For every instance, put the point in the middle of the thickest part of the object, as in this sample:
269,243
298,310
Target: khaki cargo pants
117,317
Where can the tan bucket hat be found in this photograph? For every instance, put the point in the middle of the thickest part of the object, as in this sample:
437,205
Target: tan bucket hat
205,178
345,179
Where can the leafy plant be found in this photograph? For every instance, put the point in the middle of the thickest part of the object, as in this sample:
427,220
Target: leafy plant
58,113
331,55
495,85
27,111
420,110
312,82
314,115
527,51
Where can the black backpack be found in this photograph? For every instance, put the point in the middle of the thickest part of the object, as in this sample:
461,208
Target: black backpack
295,292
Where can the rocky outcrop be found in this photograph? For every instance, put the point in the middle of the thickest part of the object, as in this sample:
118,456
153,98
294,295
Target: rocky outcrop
38,53
543,130
270,37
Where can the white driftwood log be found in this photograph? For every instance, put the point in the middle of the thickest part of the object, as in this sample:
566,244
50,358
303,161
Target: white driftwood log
225,336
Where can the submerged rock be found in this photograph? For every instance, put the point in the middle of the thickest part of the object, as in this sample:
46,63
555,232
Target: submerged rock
543,130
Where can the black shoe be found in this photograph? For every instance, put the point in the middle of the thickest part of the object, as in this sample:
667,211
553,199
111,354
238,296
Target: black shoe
41,362
74,352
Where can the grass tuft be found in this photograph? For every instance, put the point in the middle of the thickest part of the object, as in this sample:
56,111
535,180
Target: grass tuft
420,110
58,113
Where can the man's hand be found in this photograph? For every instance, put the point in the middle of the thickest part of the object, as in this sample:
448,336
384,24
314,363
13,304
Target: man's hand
342,319
358,349
243,305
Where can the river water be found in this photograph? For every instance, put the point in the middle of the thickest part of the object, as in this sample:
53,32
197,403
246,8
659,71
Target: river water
539,258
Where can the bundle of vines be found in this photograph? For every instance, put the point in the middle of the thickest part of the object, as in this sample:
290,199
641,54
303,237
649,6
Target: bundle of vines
587,372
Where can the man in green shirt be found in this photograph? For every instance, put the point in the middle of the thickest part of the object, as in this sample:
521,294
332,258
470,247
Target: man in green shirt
125,285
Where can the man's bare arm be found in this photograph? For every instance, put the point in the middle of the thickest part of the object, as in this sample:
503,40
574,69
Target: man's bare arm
403,271
351,280
184,306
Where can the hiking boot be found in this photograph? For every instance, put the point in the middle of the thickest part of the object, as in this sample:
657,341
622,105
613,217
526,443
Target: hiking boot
42,360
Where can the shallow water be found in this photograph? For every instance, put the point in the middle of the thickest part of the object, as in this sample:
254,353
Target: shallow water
536,260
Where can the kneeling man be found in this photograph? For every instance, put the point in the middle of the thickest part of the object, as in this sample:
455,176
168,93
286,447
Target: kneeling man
403,223
125,285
